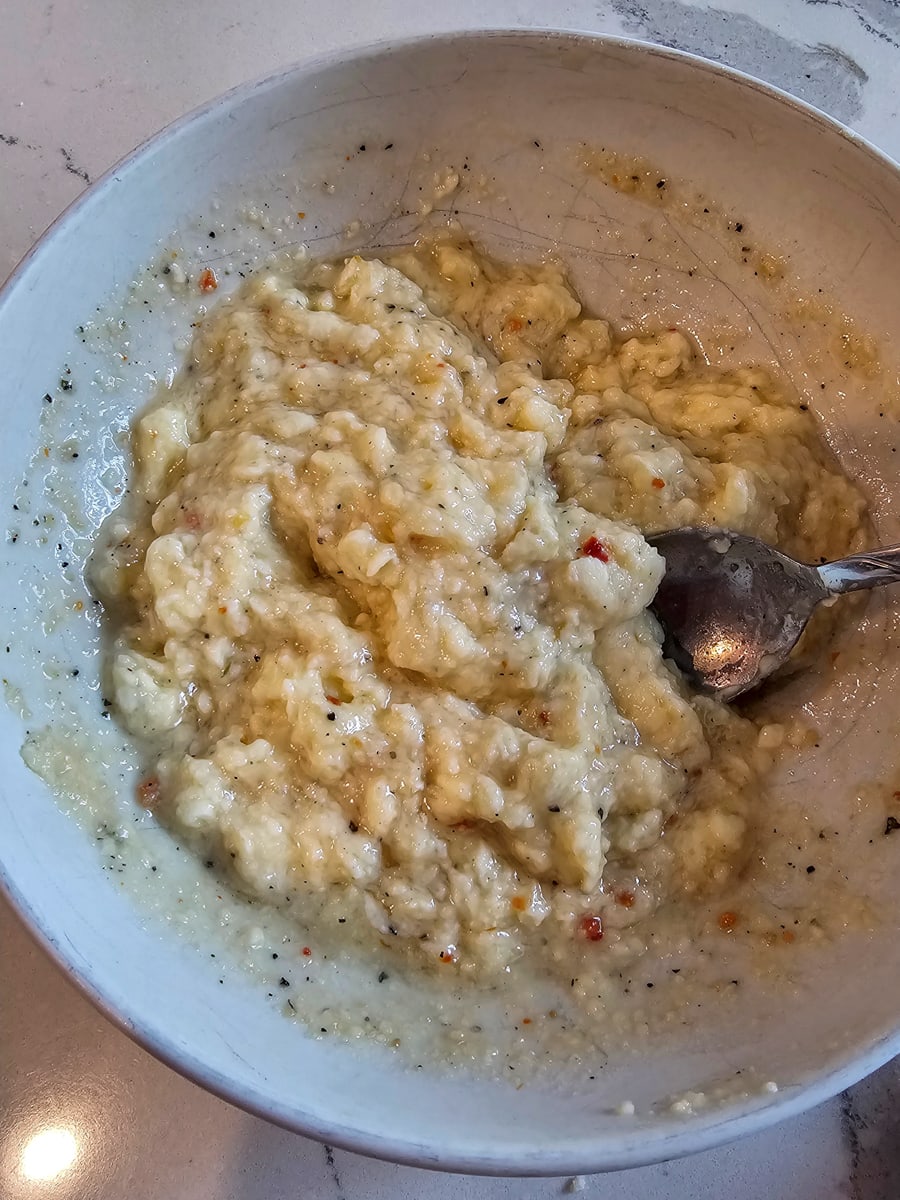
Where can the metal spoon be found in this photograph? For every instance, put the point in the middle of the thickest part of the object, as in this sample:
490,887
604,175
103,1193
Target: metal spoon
732,608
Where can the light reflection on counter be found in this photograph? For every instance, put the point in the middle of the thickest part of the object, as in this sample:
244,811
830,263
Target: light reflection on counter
48,1154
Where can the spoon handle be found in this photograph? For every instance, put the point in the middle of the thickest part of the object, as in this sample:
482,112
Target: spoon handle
872,569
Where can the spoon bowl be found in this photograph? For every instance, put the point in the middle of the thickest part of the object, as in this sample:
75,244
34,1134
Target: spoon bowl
732,607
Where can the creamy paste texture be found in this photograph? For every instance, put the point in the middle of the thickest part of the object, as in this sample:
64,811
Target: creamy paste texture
380,601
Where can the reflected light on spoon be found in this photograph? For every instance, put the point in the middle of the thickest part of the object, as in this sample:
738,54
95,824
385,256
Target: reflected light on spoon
720,653
48,1154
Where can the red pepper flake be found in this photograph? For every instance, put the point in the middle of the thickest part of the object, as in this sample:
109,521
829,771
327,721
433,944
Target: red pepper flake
544,717
208,281
788,936
657,482
447,956
148,792
594,548
333,700
625,899
526,1020
223,608
591,929
301,216
519,903
514,324
192,519
306,952
727,921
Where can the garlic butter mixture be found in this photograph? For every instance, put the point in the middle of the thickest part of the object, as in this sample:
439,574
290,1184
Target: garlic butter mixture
381,590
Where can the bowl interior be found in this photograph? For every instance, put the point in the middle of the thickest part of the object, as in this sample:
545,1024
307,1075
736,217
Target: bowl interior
761,201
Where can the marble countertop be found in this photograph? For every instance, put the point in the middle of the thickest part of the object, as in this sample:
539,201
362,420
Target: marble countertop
86,1114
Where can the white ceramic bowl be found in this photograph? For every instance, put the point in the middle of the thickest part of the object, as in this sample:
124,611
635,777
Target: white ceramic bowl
516,106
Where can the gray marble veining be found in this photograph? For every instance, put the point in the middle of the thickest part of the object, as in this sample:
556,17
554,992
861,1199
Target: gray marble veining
821,74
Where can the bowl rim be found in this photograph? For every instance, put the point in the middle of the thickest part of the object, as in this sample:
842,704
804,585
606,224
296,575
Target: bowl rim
642,1147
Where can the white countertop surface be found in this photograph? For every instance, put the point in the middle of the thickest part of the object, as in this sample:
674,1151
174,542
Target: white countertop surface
80,85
